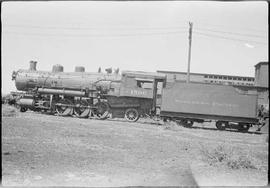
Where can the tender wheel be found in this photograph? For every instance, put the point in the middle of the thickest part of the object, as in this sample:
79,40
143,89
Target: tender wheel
188,123
244,127
81,110
132,114
185,123
63,107
23,109
221,125
102,110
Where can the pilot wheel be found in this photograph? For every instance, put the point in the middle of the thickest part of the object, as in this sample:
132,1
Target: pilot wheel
23,109
132,114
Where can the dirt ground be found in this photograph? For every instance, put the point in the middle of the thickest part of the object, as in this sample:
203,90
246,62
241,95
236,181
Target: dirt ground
46,150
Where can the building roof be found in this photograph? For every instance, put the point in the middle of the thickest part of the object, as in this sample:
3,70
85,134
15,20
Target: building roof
201,74
261,63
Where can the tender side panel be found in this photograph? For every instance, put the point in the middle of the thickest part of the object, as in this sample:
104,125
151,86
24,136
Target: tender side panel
208,99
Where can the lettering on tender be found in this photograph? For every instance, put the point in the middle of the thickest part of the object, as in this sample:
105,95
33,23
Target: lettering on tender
206,103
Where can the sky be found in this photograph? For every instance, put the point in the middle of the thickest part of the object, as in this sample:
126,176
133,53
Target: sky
227,37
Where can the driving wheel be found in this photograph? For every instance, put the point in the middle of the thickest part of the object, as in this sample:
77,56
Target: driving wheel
81,109
64,107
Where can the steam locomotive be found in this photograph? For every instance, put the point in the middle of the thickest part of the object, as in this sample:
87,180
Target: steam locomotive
134,94
85,94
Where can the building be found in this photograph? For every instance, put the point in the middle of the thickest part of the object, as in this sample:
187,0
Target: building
173,76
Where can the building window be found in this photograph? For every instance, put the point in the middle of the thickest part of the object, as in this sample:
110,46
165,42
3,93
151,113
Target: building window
240,79
234,78
249,80
215,77
225,78
229,78
205,76
244,79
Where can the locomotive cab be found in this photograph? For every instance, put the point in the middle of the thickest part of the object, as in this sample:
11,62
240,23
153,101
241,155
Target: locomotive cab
144,86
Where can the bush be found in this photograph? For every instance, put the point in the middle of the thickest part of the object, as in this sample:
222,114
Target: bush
241,162
227,156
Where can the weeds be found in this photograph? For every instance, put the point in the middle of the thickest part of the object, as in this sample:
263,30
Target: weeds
228,156
241,162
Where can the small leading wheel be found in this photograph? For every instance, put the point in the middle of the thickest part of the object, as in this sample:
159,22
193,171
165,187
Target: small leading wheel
102,110
23,109
132,114
221,125
64,107
244,127
81,110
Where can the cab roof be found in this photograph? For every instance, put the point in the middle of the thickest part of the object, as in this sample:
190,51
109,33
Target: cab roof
142,74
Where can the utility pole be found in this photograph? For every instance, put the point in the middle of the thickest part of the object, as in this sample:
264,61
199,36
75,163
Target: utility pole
189,50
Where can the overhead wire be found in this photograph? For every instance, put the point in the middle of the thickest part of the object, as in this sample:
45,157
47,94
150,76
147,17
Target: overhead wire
228,38
231,33
203,23
96,35
92,28
179,30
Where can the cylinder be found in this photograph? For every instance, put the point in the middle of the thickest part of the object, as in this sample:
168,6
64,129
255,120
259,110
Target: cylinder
57,68
79,69
26,102
33,65
61,92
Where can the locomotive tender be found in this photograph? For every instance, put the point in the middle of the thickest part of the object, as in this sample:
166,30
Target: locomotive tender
229,106
134,94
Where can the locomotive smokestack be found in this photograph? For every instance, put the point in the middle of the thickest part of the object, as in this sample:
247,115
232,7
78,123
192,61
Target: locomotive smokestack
79,69
33,65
